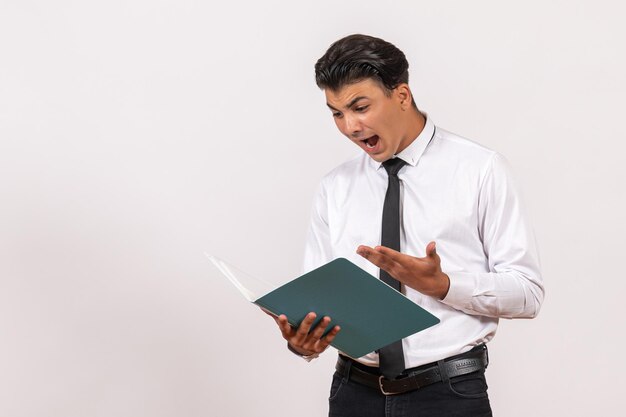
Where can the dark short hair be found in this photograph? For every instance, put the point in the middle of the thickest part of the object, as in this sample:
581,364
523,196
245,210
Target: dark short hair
359,57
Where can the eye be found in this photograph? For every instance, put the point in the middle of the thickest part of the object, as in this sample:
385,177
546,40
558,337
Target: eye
360,109
337,115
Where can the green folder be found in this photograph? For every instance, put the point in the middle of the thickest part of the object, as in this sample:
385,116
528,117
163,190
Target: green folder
371,313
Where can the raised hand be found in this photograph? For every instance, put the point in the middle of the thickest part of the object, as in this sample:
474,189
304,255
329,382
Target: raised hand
421,274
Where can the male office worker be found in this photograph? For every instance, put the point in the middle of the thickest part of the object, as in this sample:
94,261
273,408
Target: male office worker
434,215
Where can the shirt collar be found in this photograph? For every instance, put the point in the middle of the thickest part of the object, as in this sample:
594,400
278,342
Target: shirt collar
412,153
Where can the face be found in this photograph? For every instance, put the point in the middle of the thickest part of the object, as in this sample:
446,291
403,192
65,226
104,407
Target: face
376,122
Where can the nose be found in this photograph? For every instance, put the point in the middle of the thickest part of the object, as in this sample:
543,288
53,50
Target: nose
353,126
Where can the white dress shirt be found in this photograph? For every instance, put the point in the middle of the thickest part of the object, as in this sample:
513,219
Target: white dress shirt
460,195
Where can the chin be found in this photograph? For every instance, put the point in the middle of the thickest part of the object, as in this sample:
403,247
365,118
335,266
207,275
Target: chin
379,157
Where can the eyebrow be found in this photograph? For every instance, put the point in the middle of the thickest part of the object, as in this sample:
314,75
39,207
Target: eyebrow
352,102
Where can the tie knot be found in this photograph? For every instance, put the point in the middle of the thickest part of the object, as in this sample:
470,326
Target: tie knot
392,166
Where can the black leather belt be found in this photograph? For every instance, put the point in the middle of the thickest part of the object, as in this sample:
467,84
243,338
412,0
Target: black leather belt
415,378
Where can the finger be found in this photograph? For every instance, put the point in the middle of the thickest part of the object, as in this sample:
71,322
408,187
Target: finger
377,258
303,329
364,250
328,339
431,250
431,253
394,255
285,327
317,333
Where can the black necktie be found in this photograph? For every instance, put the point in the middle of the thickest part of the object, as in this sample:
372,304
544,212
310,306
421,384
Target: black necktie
391,357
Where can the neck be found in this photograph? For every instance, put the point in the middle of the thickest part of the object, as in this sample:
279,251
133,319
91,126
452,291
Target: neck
415,124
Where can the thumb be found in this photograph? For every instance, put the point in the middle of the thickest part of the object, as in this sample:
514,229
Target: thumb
431,250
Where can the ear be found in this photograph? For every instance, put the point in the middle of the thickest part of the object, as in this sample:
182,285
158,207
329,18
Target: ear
404,95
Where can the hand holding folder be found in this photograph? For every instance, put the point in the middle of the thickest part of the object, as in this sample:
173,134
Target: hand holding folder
369,312
310,337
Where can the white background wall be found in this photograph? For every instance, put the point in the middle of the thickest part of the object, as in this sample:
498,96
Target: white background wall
136,134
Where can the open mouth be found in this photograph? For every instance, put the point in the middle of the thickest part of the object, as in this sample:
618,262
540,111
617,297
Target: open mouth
371,142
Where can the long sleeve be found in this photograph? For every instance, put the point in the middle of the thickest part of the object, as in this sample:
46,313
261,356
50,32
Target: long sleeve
513,287
317,250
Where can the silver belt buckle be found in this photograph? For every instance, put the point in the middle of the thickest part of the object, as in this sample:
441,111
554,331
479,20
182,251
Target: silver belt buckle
380,384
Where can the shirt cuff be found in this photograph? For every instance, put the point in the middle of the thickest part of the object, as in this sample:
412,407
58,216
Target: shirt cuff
307,358
461,290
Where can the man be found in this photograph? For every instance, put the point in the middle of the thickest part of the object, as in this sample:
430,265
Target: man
453,238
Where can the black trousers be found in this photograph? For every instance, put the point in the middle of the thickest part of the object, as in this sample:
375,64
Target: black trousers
462,396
